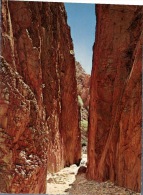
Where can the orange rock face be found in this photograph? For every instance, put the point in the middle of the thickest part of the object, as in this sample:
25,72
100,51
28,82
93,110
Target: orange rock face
39,128
114,150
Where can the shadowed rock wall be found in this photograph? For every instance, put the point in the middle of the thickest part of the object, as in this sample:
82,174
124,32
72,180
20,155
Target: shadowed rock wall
39,112
114,149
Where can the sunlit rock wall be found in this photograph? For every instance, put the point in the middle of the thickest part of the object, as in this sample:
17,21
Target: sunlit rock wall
38,112
114,150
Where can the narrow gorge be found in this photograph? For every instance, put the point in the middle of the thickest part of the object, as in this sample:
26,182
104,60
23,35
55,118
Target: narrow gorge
83,88
45,97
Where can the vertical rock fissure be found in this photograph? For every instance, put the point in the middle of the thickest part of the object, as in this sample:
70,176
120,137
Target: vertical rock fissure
83,88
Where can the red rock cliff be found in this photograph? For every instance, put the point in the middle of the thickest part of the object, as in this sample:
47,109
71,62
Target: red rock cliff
39,112
114,150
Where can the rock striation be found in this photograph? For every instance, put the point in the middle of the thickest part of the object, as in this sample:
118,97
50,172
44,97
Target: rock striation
39,127
114,150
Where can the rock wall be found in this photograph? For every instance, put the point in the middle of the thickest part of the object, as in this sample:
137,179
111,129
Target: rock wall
114,150
39,112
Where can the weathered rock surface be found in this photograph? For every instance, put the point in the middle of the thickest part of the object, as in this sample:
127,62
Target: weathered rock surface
114,151
38,112
83,85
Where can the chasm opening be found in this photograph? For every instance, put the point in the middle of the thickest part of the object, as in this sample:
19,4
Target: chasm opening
82,28
83,35
81,19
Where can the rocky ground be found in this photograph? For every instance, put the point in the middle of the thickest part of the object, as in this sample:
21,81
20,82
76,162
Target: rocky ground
67,181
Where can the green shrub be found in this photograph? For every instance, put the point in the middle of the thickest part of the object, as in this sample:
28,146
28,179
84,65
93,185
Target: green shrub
84,125
80,102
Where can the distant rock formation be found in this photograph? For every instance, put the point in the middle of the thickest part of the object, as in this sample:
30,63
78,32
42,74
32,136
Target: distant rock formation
114,151
39,127
83,85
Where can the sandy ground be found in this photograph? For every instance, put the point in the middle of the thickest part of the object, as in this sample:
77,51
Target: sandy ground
61,182
67,182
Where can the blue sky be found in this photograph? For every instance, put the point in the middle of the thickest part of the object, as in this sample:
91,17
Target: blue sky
81,19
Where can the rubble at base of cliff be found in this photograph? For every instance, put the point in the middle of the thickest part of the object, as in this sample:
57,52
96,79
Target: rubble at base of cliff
69,181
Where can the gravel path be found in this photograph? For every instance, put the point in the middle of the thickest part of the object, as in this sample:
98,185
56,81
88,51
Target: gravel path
83,187
67,182
60,182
